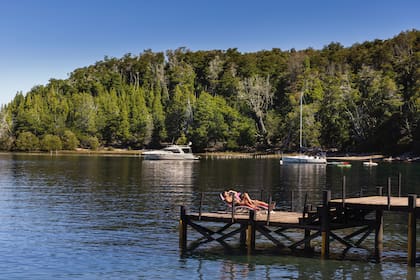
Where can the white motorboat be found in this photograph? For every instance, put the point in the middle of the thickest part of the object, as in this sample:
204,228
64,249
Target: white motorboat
173,152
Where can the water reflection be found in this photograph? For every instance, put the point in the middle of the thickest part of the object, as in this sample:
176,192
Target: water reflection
299,180
169,172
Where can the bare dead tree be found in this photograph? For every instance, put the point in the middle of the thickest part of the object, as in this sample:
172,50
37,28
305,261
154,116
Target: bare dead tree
258,94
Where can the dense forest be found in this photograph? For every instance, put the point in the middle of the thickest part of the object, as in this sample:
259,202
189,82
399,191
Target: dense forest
362,98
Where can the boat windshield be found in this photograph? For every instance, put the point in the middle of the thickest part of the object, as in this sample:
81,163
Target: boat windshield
173,150
187,150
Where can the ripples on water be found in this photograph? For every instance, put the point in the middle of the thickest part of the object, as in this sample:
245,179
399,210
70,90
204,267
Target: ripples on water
88,217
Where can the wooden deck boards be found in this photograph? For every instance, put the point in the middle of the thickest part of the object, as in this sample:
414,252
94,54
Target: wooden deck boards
326,223
380,202
281,217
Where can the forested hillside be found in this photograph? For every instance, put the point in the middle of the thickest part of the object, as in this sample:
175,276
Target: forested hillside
361,98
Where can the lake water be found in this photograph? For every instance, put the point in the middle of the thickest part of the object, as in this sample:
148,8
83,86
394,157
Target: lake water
98,217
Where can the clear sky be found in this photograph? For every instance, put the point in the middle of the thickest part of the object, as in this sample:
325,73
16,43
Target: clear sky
44,39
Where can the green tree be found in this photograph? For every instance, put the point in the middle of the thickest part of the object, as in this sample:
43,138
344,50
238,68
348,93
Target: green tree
82,115
93,143
179,113
27,141
69,140
51,143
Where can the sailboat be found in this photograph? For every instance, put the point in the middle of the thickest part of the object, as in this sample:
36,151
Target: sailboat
302,158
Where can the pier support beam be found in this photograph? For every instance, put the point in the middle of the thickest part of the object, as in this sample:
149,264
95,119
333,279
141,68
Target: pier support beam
379,234
250,233
183,230
411,250
325,224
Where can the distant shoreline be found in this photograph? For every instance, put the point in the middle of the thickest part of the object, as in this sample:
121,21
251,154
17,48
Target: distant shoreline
208,155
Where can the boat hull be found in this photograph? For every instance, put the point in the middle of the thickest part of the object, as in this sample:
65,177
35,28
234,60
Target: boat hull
304,159
173,152
169,157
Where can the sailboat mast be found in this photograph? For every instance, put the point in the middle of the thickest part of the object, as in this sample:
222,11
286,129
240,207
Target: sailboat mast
300,127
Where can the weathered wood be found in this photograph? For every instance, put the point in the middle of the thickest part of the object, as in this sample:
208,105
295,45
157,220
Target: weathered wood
389,194
183,230
325,224
411,250
251,233
343,192
270,208
328,218
379,234
201,204
399,184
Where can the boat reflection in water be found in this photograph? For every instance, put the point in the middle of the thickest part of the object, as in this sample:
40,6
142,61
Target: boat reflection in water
302,179
169,172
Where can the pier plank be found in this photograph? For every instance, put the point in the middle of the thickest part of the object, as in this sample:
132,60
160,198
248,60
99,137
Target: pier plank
376,202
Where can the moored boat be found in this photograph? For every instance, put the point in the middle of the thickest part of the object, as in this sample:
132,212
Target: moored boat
370,163
302,158
172,152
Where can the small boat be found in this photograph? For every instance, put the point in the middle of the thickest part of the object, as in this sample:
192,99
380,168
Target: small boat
172,152
370,163
344,164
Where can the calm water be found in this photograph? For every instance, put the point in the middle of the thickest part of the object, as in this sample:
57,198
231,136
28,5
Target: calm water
91,217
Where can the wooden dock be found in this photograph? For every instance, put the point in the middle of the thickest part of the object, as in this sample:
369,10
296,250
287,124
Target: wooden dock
347,222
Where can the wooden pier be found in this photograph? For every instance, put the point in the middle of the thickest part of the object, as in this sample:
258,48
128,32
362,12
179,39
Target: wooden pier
347,222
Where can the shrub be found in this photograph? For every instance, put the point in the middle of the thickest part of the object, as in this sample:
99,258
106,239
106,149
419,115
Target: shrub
70,141
27,141
51,143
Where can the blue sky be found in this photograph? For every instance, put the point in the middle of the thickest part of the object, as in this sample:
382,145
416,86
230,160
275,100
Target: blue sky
44,39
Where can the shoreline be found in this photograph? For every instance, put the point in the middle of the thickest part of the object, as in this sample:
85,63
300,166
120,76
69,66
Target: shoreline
210,155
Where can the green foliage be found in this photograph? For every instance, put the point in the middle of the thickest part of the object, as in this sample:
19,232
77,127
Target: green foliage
27,142
51,143
70,141
93,143
353,97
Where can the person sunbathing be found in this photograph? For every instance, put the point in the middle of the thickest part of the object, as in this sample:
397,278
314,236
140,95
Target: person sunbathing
243,199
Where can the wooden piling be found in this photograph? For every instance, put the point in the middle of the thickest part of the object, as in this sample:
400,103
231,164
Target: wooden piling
183,230
411,250
232,196
200,208
325,224
343,192
250,235
399,184
389,193
292,198
243,236
379,234
270,208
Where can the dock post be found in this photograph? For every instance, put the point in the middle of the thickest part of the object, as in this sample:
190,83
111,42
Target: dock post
343,192
379,234
389,193
250,234
411,250
183,230
270,208
200,208
292,198
243,235
232,196
399,184
325,224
